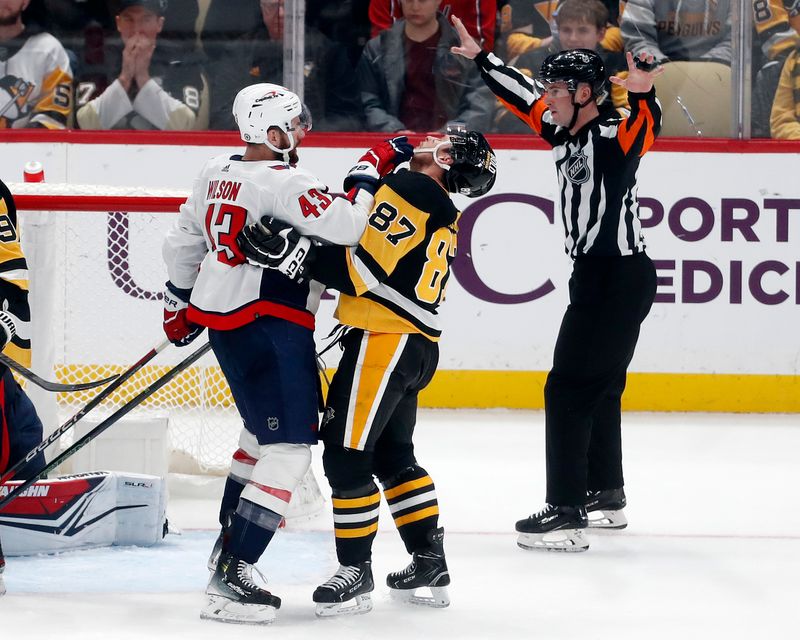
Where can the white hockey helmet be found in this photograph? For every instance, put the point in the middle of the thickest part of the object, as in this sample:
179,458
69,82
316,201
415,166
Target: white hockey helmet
261,106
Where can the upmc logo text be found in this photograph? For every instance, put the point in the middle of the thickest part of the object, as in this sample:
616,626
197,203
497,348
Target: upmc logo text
737,222
733,226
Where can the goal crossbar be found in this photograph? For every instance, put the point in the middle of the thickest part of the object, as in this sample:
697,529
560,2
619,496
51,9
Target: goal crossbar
40,196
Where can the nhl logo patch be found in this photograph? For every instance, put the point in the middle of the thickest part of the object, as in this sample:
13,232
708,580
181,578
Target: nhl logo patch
272,424
577,169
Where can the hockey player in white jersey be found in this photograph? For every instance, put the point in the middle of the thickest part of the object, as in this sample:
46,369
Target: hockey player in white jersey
260,323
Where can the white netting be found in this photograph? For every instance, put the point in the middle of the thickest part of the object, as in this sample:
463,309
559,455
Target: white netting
96,281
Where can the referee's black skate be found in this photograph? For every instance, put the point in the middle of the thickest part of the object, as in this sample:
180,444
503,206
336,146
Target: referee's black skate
554,529
428,569
234,596
346,592
604,509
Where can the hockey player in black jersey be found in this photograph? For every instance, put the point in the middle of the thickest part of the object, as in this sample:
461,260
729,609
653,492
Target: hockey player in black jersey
613,281
391,284
20,427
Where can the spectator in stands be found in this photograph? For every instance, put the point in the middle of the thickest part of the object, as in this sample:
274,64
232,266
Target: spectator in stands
478,16
157,84
345,22
36,85
256,55
785,116
581,24
678,29
410,82
777,24
530,24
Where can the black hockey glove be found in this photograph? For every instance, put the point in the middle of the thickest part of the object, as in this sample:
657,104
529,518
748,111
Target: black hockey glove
272,244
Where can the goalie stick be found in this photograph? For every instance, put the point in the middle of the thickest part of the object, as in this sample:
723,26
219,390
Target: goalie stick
126,375
105,424
51,386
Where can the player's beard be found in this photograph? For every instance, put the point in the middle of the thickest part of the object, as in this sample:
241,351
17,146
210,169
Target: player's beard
9,20
293,157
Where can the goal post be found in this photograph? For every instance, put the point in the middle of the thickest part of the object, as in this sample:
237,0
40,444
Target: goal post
96,277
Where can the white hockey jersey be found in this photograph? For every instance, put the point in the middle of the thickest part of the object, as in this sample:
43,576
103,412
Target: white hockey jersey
201,251
35,83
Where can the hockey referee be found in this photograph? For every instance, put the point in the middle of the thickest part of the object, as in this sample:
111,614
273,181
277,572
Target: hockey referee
612,285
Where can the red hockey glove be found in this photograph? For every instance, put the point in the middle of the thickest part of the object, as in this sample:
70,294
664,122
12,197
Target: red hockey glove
378,161
177,327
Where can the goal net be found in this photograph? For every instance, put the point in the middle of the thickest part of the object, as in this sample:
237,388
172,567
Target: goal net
96,277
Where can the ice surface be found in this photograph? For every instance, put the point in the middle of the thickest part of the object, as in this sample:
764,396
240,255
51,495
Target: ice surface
712,549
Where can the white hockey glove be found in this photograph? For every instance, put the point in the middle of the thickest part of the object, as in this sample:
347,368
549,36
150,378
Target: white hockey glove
7,327
272,244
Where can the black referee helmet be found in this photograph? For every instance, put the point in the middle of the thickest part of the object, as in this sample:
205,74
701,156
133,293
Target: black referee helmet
574,66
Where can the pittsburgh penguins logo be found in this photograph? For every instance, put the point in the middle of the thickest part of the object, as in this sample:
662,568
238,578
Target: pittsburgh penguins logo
14,96
577,169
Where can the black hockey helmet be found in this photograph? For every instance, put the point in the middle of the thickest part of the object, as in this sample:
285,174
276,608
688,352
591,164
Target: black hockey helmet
574,66
474,167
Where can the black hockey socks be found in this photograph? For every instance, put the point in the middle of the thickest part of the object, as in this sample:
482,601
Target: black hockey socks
252,529
412,500
355,521
230,499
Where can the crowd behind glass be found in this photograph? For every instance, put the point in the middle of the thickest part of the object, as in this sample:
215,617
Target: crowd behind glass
380,65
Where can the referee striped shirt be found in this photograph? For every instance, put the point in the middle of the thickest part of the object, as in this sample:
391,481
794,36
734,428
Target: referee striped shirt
596,167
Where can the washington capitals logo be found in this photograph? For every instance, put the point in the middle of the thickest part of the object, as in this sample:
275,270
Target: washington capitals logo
578,168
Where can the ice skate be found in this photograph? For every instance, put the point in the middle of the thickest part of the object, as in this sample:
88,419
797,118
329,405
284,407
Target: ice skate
233,596
604,509
216,552
346,592
428,569
554,529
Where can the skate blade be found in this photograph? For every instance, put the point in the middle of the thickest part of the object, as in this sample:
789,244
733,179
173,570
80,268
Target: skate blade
439,598
565,540
362,604
221,609
607,520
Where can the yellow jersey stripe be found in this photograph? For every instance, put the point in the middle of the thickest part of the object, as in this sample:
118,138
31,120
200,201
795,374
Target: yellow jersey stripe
411,485
361,532
417,515
353,503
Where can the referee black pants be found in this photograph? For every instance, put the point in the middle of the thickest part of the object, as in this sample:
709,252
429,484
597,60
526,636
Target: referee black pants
609,299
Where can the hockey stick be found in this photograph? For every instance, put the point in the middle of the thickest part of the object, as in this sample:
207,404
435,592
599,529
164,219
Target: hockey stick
46,384
105,424
9,475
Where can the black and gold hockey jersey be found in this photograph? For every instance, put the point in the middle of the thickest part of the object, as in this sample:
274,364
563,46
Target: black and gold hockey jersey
394,280
14,280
